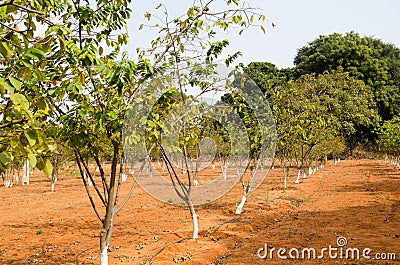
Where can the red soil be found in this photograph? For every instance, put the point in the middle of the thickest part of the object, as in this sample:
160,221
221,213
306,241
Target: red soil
357,199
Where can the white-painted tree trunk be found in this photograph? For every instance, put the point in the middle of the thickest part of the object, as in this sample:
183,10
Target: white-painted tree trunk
238,172
195,226
104,256
25,173
239,208
298,177
54,177
6,181
195,222
16,179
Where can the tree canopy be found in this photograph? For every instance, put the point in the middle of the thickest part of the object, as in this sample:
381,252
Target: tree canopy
366,58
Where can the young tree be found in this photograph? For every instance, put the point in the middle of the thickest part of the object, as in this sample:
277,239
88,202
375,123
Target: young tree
389,140
255,114
315,110
69,81
185,38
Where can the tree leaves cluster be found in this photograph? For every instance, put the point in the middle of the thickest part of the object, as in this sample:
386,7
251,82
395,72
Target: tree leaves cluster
366,58
354,79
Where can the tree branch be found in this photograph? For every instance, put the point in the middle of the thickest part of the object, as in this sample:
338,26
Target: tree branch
87,188
27,9
92,180
175,38
10,28
11,123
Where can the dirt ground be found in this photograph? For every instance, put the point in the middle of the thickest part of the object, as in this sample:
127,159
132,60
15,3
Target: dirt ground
357,201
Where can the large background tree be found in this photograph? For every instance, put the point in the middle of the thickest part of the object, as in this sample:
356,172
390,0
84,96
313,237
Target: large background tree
366,58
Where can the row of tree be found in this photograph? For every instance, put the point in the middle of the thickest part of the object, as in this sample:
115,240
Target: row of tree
66,87
68,90
344,89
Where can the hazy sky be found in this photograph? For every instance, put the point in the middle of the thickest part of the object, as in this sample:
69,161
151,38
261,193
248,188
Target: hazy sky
298,22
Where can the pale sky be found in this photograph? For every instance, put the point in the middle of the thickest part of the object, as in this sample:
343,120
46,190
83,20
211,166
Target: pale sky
298,22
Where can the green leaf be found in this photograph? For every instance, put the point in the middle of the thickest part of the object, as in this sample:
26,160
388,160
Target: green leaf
62,44
19,99
15,83
2,86
5,158
112,115
48,167
5,50
32,160
31,137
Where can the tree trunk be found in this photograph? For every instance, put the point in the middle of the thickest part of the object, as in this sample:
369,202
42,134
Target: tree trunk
194,220
108,221
103,248
54,177
298,177
239,208
25,173
224,168
284,177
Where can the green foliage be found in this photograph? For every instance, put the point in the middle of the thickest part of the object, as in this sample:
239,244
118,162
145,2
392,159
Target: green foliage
314,111
247,115
38,72
366,58
389,136
267,76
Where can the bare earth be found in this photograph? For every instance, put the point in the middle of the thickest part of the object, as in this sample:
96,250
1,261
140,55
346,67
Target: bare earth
357,199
